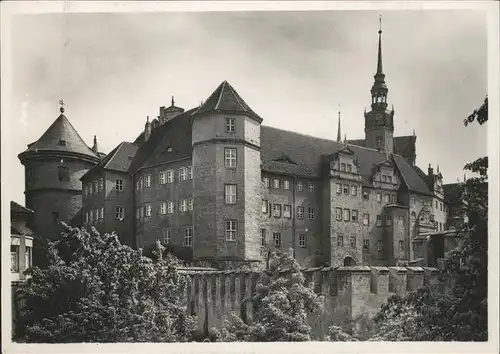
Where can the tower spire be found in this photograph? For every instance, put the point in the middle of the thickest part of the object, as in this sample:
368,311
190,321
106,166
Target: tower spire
379,61
338,129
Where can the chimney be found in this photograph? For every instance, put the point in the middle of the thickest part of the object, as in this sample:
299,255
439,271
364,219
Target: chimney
94,147
430,171
147,130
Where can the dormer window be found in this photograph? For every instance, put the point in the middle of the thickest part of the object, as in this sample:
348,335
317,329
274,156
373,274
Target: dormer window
62,142
230,125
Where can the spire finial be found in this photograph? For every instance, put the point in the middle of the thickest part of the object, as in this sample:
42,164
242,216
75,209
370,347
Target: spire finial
147,119
61,102
339,134
438,168
345,139
172,101
379,61
413,131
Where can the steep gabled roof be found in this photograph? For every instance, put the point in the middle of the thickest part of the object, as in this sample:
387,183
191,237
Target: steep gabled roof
226,99
61,136
119,159
169,142
19,209
307,152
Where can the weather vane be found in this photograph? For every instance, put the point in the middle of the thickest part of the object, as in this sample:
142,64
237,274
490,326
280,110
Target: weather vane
380,23
61,102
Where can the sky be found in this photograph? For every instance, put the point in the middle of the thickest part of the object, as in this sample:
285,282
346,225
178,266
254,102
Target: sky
295,69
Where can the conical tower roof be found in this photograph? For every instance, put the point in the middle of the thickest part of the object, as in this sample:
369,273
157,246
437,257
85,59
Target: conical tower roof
61,136
226,99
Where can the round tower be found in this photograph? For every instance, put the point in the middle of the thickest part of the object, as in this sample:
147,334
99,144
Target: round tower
53,167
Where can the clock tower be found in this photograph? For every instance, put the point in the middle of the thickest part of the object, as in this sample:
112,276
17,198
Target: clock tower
379,124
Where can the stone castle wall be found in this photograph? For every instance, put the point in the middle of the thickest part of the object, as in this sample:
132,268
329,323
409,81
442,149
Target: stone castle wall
347,292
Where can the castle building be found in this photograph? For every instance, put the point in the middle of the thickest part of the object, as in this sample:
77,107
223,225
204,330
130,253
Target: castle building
215,180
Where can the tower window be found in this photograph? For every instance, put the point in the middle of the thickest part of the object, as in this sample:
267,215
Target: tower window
378,141
190,204
312,213
300,212
163,208
230,157
231,230
119,185
120,213
182,174
63,173
230,193
230,125
380,246
311,187
401,245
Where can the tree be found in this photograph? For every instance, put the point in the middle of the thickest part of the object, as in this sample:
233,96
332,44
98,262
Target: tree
280,304
462,313
97,290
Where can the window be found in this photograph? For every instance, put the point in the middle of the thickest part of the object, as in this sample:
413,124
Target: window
27,257
300,212
379,141
347,214
312,213
436,204
119,185
389,179
230,125
141,182
138,186
63,173
354,216
147,210
366,196
265,182
366,219
182,174
393,198
386,198
388,220
230,157
340,241
413,217
170,176
380,246
401,245
163,208
265,206
352,241
62,142
349,168
300,187
231,230
384,178
101,184
190,172
183,205
286,184
91,216
167,236
55,217
190,204
147,181
276,183
188,236
311,187
101,214
276,239
379,197
230,193
346,189
366,244
379,220
413,200
163,177
263,237
277,210
440,206
302,240
339,188
342,166
338,213
30,174
170,207
120,213
14,259
354,190
287,211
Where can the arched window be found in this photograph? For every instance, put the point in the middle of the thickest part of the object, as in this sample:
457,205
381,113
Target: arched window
349,261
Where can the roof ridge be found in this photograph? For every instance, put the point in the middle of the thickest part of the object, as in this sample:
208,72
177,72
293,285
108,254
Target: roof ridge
220,93
235,94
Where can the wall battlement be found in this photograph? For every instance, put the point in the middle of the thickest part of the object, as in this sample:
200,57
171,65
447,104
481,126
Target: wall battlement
347,291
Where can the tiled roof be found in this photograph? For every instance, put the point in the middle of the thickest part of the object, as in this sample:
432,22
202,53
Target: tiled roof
307,151
18,208
226,99
61,136
403,145
169,142
119,159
